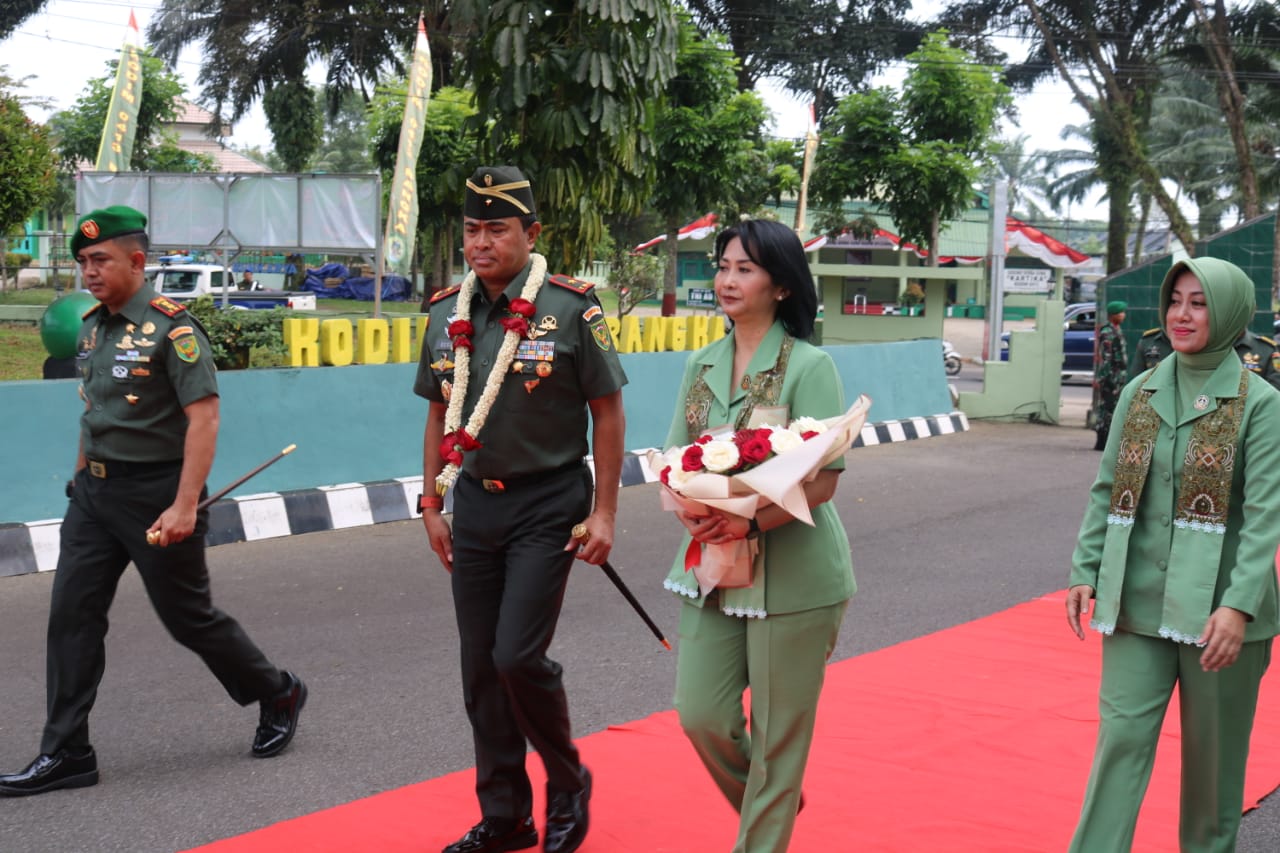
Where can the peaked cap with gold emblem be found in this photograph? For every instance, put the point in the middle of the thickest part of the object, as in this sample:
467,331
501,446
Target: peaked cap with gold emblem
106,224
498,192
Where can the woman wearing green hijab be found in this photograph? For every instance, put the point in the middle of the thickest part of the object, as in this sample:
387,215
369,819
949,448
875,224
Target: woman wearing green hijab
1177,550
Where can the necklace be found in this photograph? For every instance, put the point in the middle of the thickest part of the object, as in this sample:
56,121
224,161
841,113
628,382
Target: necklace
458,439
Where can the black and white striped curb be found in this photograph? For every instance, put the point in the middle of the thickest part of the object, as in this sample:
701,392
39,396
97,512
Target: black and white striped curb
33,546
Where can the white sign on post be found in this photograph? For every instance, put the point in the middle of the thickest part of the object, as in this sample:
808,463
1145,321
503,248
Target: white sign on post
1027,281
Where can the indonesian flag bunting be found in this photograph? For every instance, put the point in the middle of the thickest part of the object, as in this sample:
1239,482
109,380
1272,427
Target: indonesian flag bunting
402,213
116,148
698,229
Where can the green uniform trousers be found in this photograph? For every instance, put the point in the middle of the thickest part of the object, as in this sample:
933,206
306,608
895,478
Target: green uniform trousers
1216,711
783,660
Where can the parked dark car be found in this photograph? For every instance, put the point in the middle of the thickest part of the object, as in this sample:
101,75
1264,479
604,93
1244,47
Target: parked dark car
1078,339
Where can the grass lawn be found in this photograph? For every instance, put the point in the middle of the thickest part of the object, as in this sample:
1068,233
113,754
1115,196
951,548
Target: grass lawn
22,354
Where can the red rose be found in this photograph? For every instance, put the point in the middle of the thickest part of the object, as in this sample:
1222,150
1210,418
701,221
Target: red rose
519,325
808,434
465,440
456,443
703,439
461,327
692,459
665,476
463,342
754,450
449,451
523,307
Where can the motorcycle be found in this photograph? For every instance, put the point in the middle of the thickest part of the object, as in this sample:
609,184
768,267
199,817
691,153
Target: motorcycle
950,359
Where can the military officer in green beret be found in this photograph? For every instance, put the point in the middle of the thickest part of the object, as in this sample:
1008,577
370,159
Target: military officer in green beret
513,361
1110,374
1260,354
147,439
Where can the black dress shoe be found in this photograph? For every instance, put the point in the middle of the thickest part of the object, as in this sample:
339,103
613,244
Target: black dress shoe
496,834
567,818
278,719
51,772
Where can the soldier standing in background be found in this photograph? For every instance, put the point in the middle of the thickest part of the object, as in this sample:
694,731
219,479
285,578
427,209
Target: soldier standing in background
1111,373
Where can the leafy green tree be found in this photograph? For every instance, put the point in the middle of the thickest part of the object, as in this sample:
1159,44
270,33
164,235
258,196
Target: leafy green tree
819,49
294,121
919,154
566,91
254,51
708,143
344,139
28,164
14,12
78,130
1107,54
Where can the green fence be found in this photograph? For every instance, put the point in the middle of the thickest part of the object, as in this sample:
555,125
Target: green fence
1249,246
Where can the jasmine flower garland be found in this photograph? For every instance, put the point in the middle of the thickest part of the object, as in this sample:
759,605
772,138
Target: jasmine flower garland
458,439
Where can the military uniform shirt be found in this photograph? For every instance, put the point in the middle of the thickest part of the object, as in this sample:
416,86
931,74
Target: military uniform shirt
539,420
138,369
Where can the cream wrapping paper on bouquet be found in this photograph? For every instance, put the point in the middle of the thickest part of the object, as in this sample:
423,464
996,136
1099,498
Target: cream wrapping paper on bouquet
778,480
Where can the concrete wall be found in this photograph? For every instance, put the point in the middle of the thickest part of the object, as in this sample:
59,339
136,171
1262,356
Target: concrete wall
363,423
1029,385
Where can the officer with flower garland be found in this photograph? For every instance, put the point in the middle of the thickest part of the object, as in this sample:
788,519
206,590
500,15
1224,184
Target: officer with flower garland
147,439
512,362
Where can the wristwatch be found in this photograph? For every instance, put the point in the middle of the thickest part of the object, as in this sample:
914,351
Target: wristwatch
753,529
426,502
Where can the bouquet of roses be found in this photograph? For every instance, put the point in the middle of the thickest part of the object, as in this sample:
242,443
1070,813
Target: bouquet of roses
742,471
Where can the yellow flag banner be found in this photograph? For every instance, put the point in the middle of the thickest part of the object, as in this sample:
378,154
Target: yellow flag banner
116,148
402,214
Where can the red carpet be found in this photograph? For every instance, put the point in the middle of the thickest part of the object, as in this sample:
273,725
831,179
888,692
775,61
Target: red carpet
977,737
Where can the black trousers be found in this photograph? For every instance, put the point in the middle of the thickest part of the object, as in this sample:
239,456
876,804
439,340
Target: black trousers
510,571
103,531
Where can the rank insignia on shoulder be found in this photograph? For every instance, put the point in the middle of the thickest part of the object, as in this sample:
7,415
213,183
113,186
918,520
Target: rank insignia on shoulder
444,294
86,314
577,285
167,306
1149,332
1268,341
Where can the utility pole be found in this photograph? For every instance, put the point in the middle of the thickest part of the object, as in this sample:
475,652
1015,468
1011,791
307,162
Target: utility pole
995,267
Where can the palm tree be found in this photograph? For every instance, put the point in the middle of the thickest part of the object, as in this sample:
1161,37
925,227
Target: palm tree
251,50
1107,54
1024,173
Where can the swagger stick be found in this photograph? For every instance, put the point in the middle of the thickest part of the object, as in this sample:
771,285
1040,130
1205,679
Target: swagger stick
580,532
153,536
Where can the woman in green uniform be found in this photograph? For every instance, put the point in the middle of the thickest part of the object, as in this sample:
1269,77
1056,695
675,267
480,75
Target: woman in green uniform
774,636
1177,549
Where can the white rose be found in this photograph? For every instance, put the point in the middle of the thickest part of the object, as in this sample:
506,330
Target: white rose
719,456
782,440
808,424
678,478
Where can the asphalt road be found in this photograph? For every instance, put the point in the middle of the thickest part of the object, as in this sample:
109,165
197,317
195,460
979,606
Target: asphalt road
943,531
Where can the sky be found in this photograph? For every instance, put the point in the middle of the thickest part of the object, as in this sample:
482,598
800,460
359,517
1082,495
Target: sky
73,40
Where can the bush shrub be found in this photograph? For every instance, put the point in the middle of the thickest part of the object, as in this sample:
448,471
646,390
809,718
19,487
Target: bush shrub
242,337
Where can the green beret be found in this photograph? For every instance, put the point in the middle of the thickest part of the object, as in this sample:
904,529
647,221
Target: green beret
106,224
498,192
1118,306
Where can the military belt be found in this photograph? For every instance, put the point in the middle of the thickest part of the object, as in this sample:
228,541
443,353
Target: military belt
496,486
105,469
